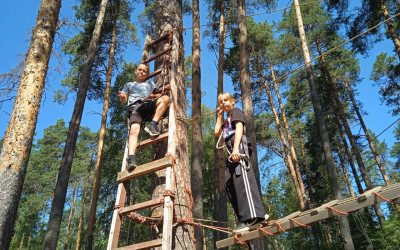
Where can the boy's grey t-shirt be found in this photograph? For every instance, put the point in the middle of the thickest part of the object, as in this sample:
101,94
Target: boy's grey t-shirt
138,90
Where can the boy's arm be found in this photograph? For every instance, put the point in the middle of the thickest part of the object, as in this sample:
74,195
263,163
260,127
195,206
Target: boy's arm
218,124
238,137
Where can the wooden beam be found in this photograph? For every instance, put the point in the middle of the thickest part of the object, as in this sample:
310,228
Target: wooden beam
152,140
143,245
158,55
348,205
145,169
161,38
141,205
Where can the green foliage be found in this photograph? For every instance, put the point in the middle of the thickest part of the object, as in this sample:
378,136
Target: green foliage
386,75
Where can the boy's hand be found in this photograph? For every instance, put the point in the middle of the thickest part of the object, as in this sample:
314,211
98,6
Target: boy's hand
121,94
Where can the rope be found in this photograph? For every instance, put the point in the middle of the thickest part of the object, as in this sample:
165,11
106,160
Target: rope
266,232
380,196
280,227
337,211
244,244
304,64
298,223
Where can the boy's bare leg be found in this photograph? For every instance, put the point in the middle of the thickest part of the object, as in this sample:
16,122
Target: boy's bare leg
133,137
161,106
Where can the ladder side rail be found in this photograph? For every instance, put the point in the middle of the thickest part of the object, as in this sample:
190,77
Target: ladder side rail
119,202
172,148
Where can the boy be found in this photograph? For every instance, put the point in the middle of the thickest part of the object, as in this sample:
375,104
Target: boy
134,94
241,185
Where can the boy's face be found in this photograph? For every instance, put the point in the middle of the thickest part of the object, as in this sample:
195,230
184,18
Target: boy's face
141,73
226,104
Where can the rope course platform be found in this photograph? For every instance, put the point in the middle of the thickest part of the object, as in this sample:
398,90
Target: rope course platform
327,210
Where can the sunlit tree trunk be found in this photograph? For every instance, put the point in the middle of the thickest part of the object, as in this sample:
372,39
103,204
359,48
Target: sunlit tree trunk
339,111
330,162
168,18
53,229
71,209
97,170
197,151
391,28
78,237
220,198
18,137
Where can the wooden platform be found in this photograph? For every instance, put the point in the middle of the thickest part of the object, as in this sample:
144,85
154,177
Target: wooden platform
317,214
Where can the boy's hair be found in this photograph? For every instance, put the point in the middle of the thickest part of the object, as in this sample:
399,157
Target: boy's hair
145,65
226,95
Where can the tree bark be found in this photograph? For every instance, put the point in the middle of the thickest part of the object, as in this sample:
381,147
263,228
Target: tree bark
247,102
97,170
78,237
346,175
18,138
197,149
391,28
71,209
330,162
169,18
53,229
220,198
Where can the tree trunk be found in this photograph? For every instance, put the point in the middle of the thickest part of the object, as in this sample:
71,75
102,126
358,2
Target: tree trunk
391,28
53,229
339,111
97,170
168,17
197,150
247,102
21,128
349,156
220,198
78,237
330,162
71,209
343,164
287,157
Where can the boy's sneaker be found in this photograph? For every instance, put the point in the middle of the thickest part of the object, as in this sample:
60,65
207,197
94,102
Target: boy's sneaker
152,130
131,164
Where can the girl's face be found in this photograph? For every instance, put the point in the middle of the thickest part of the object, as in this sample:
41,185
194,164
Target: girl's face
226,104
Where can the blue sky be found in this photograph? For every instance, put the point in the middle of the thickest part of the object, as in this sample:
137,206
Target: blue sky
19,16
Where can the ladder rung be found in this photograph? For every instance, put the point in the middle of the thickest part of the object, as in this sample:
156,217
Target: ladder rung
161,38
154,73
141,205
151,141
143,245
145,169
158,55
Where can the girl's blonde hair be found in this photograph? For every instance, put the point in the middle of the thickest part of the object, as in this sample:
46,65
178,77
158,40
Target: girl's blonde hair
226,95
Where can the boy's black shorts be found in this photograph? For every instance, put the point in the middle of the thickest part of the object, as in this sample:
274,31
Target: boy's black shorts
141,111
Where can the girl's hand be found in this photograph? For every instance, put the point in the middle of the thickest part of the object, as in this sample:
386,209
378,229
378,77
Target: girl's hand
235,155
220,111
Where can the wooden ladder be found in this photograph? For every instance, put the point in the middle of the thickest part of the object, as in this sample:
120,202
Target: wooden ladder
165,163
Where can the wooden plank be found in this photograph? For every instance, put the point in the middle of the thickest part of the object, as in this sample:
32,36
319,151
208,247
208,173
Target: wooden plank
154,73
150,141
119,201
145,169
172,147
143,245
141,205
157,55
347,205
158,40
